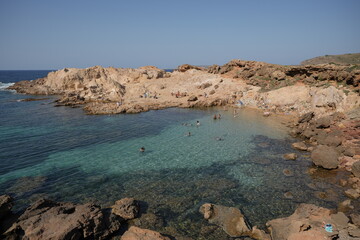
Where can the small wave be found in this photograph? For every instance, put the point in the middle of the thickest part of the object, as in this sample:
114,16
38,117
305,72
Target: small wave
4,86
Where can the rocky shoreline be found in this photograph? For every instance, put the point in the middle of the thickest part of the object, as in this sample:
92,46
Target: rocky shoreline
324,98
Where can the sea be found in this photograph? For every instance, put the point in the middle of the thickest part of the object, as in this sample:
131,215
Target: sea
63,154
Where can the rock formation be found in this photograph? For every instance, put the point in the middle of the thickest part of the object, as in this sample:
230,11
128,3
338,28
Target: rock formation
47,219
308,223
326,157
231,220
126,208
254,84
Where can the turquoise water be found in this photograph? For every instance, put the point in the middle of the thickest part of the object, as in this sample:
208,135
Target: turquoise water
65,155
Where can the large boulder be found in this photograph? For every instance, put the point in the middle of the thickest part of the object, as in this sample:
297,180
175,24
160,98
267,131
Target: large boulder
47,219
135,233
325,156
6,203
231,220
326,97
126,208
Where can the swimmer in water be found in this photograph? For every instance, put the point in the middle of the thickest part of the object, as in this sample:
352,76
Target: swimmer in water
198,123
142,149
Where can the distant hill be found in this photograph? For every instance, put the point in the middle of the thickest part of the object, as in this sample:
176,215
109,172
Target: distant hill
344,59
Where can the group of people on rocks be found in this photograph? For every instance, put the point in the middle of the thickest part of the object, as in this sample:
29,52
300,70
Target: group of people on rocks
178,94
148,94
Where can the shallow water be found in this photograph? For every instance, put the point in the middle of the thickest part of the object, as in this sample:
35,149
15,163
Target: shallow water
65,155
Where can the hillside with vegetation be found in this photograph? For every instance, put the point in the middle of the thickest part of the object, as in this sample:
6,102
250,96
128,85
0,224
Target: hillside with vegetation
343,59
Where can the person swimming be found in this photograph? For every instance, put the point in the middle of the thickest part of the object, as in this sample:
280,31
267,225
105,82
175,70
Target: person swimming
198,123
215,117
188,134
142,149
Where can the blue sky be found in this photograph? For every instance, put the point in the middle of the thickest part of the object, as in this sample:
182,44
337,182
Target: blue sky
56,34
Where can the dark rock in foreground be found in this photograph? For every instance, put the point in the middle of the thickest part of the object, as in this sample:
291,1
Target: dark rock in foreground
6,203
47,219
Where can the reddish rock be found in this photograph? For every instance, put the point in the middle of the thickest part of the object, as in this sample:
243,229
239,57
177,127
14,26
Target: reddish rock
126,208
135,233
300,146
229,218
326,157
305,224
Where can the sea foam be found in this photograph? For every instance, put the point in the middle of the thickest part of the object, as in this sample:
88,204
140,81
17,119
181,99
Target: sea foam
4,86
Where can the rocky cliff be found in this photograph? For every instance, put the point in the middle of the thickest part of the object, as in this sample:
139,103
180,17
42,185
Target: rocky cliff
322,89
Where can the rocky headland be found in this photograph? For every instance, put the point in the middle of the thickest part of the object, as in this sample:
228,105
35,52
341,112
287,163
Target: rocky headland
324,99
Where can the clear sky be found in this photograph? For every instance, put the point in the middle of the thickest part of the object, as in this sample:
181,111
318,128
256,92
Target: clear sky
166,33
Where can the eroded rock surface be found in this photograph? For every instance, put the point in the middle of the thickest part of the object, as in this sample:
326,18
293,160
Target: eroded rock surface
126,208
307,223
47,219
120,90
231,220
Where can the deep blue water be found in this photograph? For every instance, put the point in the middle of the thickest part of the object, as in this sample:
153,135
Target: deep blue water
63,154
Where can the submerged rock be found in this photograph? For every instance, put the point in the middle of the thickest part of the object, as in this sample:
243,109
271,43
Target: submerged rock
126,208
288,172
47,219
230,219
290,156
326,157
